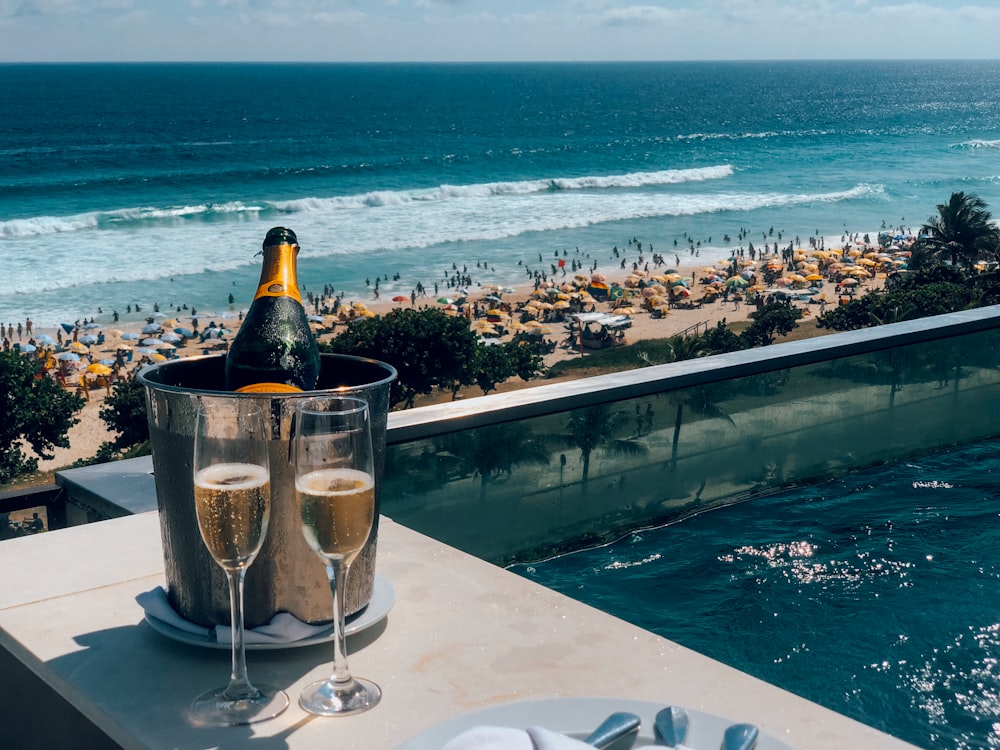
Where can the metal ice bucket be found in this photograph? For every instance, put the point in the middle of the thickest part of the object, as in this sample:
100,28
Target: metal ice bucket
287,575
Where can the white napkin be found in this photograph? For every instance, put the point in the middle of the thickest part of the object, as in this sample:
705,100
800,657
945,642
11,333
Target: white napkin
283,627
504,738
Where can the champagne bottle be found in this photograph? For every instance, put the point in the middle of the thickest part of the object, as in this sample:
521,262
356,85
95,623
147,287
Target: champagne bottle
274,350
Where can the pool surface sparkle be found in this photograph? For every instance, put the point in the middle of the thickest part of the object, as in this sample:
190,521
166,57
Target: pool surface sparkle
875,594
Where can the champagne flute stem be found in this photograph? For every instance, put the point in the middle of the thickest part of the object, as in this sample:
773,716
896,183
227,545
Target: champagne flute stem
337,571
239,682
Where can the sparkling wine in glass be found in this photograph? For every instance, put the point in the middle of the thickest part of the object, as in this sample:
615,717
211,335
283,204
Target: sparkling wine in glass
232,495
335,487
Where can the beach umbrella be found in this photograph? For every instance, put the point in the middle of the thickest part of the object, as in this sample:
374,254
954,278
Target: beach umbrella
736,281
151,342
399,298
91,325
180,331
45,339
814,277
68,327
79,348
314,318
107,362
69,357
27,348
446,301
165,346
151,328
131,336
172,338
98,369
157,357
88,338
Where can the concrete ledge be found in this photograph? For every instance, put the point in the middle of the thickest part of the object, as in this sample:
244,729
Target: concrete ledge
463,635
109,490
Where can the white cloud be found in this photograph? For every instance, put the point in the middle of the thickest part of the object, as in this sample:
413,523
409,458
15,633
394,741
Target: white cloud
497,29
641,15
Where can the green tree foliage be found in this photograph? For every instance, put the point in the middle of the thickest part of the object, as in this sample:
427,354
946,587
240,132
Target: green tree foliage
35,410
777,316
124,412
933,291
428,348
721,339
962,233
499,362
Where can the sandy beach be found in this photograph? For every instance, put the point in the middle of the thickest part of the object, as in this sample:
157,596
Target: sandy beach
91,431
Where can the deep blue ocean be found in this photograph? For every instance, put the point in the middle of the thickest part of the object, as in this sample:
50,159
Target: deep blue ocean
876,594
124,184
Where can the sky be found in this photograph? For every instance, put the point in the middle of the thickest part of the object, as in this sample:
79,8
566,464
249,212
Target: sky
495,30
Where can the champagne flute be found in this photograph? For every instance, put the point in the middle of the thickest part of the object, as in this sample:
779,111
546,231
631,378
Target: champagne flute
335,486
232,496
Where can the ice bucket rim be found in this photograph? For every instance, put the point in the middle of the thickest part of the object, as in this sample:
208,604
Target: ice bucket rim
147,375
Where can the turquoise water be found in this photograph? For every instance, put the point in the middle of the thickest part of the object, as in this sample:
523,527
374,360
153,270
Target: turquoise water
125,184
876,594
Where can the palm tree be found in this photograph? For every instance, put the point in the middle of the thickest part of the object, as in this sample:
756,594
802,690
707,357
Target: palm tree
701,401
595,427
962,231
491,452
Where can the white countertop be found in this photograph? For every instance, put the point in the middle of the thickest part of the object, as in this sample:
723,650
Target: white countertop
463,635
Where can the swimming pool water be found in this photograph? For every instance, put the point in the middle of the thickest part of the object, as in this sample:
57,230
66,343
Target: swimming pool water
876,594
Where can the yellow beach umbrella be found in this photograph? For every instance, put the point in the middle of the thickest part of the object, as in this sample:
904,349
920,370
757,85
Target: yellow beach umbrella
78,348
98,369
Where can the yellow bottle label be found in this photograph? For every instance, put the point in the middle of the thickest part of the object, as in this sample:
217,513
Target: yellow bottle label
269,388
278,276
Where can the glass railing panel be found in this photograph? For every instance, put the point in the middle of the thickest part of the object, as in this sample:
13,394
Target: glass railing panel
539,485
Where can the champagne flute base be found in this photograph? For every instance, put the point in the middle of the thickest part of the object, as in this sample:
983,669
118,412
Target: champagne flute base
216,709
329,698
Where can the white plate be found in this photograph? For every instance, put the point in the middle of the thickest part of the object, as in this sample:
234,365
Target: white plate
383,597
577,717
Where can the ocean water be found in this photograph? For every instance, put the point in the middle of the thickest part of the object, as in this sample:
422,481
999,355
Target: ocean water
155,183
876,594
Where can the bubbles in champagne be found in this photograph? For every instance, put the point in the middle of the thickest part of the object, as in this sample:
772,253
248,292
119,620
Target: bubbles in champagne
338,510
232,501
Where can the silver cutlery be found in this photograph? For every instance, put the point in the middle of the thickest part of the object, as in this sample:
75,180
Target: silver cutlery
740,737
671,725
613,728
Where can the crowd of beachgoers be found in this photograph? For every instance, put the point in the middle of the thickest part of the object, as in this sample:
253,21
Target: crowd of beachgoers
566,301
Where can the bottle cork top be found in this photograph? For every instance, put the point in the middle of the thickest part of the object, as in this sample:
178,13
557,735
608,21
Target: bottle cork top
280,236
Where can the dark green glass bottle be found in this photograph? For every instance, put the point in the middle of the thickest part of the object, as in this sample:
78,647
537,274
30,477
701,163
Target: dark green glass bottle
275,350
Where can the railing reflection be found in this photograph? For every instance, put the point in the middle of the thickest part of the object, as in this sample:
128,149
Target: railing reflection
526,475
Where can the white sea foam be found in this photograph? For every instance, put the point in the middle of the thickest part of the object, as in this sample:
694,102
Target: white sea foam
45,225
979,143
357,232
